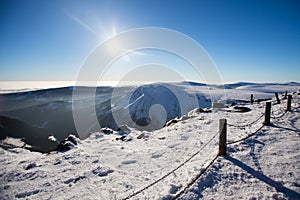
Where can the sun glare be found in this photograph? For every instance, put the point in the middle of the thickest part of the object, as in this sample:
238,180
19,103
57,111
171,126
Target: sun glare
108,32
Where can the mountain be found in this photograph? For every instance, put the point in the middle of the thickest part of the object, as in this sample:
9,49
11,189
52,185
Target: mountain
150,106
51,111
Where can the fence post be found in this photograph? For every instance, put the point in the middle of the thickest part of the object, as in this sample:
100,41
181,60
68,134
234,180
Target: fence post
277,98
285,94
289,102
251,98
267,113
222,137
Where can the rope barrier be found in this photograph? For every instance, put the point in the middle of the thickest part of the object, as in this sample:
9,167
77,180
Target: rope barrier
189,184
274,101
295,103
279,116
295,107
279,109
248,136
169,173
245,125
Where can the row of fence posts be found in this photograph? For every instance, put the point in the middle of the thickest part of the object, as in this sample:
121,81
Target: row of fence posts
267,122
276,95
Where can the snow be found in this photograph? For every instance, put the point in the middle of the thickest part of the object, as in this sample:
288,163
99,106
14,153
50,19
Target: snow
111,164
265,166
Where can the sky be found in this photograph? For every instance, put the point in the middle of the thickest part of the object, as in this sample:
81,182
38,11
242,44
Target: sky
256,41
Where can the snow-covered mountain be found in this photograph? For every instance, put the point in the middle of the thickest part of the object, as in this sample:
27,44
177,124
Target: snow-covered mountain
50,112
149,107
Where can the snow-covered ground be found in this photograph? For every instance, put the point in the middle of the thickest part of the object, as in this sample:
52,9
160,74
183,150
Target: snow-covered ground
265,166
149,165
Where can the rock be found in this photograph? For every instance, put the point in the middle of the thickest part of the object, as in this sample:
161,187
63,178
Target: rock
204,110
73,139
199,110
233,104
141,136
121,138
124,138
172,122
241,109
144,135
68,143
176,120
107,131
65,146
51,138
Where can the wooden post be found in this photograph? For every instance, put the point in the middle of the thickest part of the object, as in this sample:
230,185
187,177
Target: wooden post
251,98
277,98
289,102
222,137
267,113
285,94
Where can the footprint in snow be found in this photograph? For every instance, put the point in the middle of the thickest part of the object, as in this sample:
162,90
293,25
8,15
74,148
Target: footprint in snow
30,166
102,171
172,145
128,162
184,137
74,180
156,155
27,194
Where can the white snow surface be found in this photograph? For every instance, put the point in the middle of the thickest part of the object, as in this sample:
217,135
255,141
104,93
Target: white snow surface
104,166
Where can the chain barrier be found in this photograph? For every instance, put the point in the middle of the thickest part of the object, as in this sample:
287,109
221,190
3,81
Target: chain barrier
169,173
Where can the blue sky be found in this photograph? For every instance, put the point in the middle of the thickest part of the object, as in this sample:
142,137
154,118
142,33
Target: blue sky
256,41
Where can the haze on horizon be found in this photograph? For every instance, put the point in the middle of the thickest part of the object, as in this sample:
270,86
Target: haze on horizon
254,41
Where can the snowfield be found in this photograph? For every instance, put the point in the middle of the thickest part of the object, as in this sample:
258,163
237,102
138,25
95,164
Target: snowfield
160,164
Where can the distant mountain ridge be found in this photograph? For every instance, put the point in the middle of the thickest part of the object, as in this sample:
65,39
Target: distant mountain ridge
238,84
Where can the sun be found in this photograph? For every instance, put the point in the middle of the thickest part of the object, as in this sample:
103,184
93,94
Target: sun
107,33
